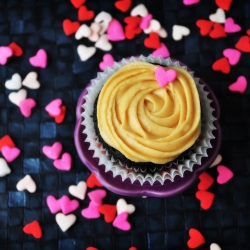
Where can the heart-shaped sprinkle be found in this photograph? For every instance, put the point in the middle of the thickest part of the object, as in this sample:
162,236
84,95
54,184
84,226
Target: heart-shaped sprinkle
14,83
109,212
59,118
164,77
53,107
92,181
196,239
5,53
206,199
217,161
108,61
224,4
162,51
180,31
17,97
10,153
217,31
103,17
153,41
222,65
95,30
26,183
91,212
84,14
219,16
77,3
6,141
122,207
53,204
115,31
121,222
123,5
65,221
26,106
162,33
78,190
83,31
139,10
85,52
53,152
30,81
145,21
96,196
190,2
103,43
4,168
91,248
154,26
205,26
239,86
132,28
231,26
225,174
70,27
243,44
214,246
68,205
132,248
34,229
64,163
16,49
206,181
40,59
233,55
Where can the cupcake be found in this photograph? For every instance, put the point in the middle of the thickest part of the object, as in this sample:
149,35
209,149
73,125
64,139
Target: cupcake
144,130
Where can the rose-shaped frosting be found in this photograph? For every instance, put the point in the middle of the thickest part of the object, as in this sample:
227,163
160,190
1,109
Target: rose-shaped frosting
145,122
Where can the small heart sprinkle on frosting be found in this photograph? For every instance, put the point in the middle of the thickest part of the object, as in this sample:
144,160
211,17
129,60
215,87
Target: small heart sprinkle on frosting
164,77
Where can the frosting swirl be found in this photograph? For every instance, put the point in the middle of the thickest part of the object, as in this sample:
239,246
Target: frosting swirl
145,122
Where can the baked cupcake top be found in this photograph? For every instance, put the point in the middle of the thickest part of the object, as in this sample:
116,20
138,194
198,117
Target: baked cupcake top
147,122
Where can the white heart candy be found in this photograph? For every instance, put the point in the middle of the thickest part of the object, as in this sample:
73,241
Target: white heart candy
78,191
30,81
139,10
103,17
180,31
214,246
162,33
83,31
85,52
122,206
14,82
219,16
4,168
26,183
65,221
104,27
17,97
103,43
154,26
217,160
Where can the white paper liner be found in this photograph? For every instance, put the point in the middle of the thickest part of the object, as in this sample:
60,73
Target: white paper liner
201,146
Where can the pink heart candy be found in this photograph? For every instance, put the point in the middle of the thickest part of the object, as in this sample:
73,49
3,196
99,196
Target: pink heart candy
121,222
53,152
225,174
233,55
231,26
53,204
162,51
54,107
115,31
190,2
5,53
96,196
64,163
68,205
108,61
145,21
26,106
239,86
164,77
91,212
10,154
40,59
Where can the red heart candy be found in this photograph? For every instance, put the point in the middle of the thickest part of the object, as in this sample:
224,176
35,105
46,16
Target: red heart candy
92,181
123,5
153,41
132,248
59,119
248,32
217,31
34,229
205,26
77,3
196,238
6,141
91,248
70,27
132,28
222,65
206,199
206,181
84,14
109,212
17,50
243,44
224,4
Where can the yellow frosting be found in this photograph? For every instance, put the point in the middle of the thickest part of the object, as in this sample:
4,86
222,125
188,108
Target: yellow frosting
145,122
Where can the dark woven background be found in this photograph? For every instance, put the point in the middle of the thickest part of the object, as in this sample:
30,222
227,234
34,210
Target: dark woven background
157,223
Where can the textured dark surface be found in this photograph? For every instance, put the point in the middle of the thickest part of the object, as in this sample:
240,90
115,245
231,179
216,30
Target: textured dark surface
157,223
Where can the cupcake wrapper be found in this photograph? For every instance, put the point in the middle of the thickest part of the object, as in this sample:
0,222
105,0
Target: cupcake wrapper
199,149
